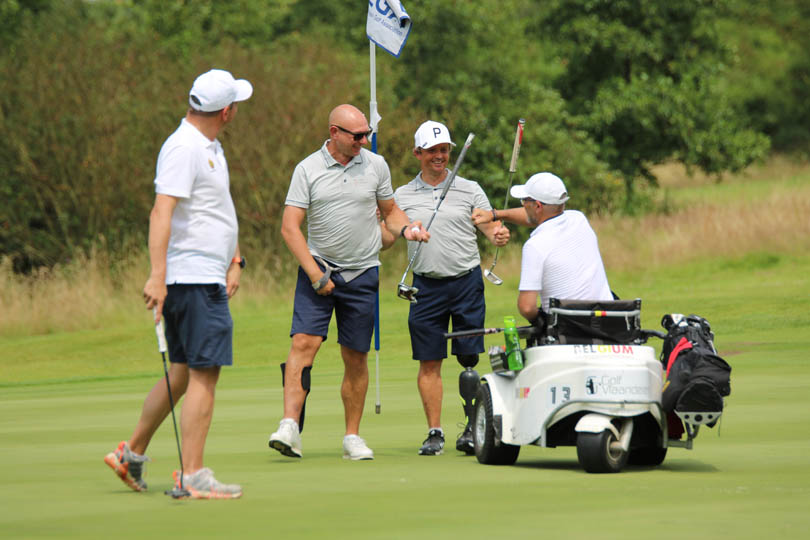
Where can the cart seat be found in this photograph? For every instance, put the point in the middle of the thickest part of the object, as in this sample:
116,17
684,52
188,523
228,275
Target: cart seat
594,322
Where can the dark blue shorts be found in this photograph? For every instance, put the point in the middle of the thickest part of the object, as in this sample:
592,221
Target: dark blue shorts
352,302
439,301
199,328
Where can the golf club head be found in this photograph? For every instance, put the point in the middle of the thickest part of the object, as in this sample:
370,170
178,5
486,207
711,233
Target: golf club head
177,493
407,292
492,278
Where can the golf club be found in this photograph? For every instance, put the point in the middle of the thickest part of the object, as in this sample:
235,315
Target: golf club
512,167
404,290
176,492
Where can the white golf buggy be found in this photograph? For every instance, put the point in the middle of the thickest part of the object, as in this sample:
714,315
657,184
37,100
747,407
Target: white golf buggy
587,381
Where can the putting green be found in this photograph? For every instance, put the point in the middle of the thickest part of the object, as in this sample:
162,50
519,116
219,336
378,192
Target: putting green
67,399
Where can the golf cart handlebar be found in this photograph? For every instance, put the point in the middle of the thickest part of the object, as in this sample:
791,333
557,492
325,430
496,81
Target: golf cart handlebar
523,332
531,330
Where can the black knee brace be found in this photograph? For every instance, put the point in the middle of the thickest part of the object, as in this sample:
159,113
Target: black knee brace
305,382
467,360
468,381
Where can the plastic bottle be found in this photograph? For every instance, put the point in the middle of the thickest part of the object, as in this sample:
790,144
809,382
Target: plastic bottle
514,356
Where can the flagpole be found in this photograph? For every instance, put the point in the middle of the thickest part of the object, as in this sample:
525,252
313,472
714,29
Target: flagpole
375,118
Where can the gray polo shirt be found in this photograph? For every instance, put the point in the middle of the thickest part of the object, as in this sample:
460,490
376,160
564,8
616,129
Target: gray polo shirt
452,248
341,204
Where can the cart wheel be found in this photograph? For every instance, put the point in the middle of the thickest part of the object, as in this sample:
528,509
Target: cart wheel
651,455
596,453
487,449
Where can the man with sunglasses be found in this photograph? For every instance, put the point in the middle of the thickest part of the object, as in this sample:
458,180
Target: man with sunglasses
337,190
561,258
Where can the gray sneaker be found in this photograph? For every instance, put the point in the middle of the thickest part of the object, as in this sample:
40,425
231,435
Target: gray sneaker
203,485
287,439
129,466
355,448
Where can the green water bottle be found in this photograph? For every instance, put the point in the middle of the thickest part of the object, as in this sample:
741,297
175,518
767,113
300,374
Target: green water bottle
514,356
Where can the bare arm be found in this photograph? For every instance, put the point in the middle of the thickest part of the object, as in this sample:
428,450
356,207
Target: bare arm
291,221
527,305
510,215
160,228
388,239
395,219
234,273
495,232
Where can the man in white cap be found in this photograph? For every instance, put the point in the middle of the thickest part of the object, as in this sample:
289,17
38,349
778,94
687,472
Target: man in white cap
561,258
196,266
448,276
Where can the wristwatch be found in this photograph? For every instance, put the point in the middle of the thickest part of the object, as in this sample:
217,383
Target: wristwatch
241,261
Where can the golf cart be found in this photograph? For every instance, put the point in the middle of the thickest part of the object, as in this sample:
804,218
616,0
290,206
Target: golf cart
588,380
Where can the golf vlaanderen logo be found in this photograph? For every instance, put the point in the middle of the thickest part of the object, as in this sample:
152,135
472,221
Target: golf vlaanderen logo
611,385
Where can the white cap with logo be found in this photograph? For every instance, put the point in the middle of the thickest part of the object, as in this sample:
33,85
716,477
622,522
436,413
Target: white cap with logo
216,89
430,134
544,187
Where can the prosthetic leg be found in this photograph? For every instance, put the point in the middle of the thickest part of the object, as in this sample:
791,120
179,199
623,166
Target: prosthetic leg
468,381
305,381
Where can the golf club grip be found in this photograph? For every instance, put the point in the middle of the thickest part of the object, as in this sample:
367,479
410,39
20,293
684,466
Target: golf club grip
472,333
516,147
161,334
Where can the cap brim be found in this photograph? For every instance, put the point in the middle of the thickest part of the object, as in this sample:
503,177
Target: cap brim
243,89
519,192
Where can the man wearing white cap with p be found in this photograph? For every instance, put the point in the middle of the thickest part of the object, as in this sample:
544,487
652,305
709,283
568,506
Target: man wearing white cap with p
561,258
447,273
195,269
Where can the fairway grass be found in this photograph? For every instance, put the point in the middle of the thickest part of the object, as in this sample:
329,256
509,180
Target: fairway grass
66,399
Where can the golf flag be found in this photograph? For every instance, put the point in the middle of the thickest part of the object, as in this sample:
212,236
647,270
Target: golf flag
388,25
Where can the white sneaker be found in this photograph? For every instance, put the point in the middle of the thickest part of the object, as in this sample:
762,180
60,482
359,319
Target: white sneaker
287,439
355,448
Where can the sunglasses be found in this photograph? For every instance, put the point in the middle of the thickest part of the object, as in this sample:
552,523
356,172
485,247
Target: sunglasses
526,199
357,136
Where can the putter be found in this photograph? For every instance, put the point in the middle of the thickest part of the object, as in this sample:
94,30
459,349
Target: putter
403,289
488,273
176,492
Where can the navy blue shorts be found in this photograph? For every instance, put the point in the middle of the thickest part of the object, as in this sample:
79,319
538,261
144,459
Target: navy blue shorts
439,301
199,328
352,302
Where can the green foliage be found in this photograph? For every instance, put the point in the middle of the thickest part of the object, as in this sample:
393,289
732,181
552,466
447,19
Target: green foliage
770,75
607,88
643,75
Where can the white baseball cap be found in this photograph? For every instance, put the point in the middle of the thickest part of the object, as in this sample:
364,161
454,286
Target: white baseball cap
216,89
430,134
544,187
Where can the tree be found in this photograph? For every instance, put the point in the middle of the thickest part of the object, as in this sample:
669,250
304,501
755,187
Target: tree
643,76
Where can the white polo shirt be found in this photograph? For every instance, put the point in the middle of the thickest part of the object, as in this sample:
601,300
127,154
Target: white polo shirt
204,230
561,259
341,204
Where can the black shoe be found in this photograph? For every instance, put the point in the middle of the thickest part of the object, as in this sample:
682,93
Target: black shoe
464,443
433,445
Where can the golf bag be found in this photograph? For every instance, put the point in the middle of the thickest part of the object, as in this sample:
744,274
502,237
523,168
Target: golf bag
697,379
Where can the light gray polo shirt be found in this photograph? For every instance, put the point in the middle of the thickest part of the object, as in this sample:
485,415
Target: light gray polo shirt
452,248
341,204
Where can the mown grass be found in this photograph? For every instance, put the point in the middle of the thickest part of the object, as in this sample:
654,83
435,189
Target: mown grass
745,479
72,388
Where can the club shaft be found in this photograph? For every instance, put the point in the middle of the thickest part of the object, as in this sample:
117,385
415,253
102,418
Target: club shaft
512,169
174,418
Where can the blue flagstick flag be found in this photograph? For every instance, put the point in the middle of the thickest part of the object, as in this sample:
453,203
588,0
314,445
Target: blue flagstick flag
388,25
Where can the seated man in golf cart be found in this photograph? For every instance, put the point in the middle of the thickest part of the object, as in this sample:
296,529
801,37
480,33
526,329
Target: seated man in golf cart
561,258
